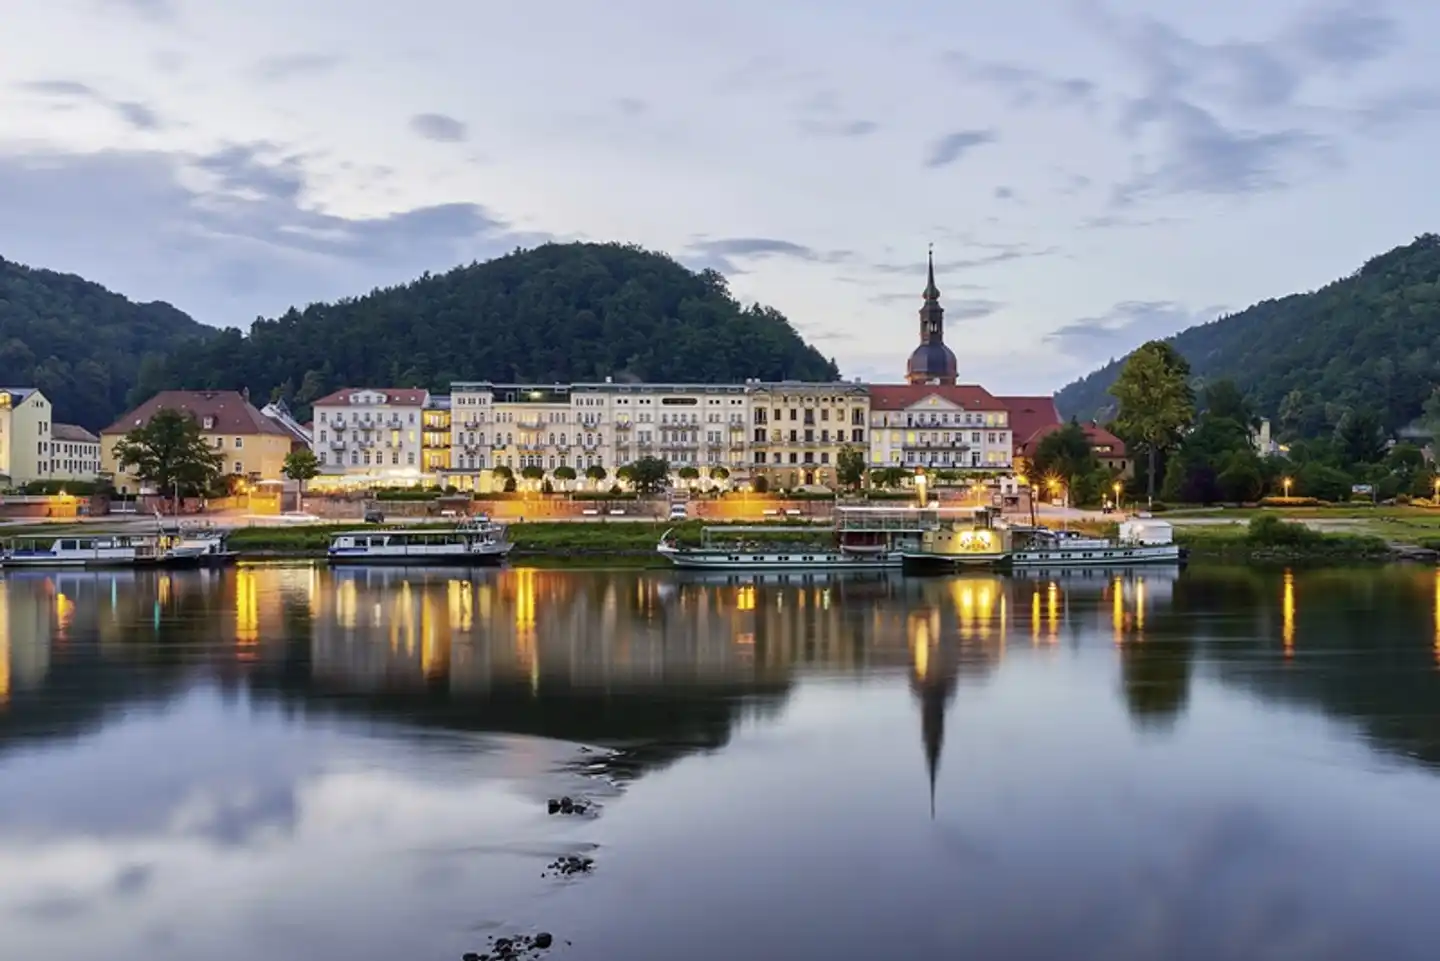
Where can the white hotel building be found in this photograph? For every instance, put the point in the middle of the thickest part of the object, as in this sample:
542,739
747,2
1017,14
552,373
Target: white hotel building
604,425
366,436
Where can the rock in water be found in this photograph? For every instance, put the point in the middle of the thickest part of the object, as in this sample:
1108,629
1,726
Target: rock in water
544,939
554,806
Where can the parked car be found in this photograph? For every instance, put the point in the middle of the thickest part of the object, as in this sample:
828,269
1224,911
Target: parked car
373,516
677,512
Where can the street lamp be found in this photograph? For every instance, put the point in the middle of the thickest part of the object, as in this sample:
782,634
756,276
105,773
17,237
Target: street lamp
1285,484
1118,486
1436,499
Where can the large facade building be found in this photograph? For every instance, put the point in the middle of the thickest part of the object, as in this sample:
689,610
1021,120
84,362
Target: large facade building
946,427
799,430
370,436
789,433
76,453
26,445
251,445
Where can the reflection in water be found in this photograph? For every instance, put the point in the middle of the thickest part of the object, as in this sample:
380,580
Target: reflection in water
1287,614
362,715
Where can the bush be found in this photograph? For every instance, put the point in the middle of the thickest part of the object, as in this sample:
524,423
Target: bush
404,494
1270,531
1291,502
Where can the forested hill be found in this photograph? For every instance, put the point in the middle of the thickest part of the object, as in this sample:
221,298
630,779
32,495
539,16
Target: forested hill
556,313
1369,340
81,344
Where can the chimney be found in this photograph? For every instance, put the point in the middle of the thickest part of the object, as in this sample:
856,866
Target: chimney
245,394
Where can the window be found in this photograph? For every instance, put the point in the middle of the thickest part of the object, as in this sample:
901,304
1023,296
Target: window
410,458
239,442
239,467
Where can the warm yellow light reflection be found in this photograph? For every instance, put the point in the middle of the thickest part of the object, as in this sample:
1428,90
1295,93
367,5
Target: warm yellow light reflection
460,603
1035,616
1287,614
247,608
64,613
745,598
920,644
346,604
1052,609
4,645
1117,609
1140,604
1437,617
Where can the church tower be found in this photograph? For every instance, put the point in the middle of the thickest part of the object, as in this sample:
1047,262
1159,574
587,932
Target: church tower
932,362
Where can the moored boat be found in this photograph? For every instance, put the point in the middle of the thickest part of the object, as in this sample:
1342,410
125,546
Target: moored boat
861,539
71,550
478,542
992,543
195,547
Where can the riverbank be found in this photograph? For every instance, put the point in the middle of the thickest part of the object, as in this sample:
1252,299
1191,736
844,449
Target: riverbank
1266,538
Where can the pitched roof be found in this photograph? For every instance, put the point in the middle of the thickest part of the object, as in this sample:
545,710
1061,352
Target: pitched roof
72,434
18,393
1030,415
231,412
1094,433
901,396
394,396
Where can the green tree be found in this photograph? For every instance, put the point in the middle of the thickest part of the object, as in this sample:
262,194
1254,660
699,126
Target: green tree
649,475
1326,483
1240,482
1224,400
889,477
595,473
760,484
301,465
532,472
1360,437
1065,454
170,454
502,472
850,466
688,473
719,474
565,473
1156,402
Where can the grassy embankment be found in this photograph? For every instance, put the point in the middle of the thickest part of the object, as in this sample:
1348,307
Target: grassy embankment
573,542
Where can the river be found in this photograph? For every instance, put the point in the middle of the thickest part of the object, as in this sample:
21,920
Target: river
285,762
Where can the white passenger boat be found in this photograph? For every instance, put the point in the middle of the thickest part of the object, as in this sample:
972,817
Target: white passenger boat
1140,541
70,550
477,542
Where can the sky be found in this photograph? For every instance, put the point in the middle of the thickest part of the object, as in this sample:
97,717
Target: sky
1091,173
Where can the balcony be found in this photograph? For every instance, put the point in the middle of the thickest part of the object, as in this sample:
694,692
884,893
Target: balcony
622,425
533,422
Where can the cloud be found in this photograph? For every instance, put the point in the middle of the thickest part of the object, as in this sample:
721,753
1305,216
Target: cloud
1124,327
1347,34
971,309
1199,155
822,115
1005,193
998,254
137,116
1022,86
157,10
722,254
438,127
287,66
952,147
224,235
631,106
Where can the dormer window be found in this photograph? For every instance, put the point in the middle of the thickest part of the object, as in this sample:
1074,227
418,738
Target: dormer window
208,423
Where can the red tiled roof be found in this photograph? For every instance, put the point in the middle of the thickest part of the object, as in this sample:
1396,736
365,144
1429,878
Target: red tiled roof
1030,415
901,396
394,396
231,412
1094,433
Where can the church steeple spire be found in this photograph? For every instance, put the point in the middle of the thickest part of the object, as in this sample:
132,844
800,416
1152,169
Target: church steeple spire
932,362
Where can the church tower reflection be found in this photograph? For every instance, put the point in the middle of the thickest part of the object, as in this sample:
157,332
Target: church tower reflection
934,673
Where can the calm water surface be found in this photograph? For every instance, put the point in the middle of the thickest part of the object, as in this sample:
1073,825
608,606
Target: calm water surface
287,763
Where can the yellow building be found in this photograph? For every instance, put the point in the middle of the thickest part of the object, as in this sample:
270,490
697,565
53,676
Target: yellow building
252,445
798,430
26,448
